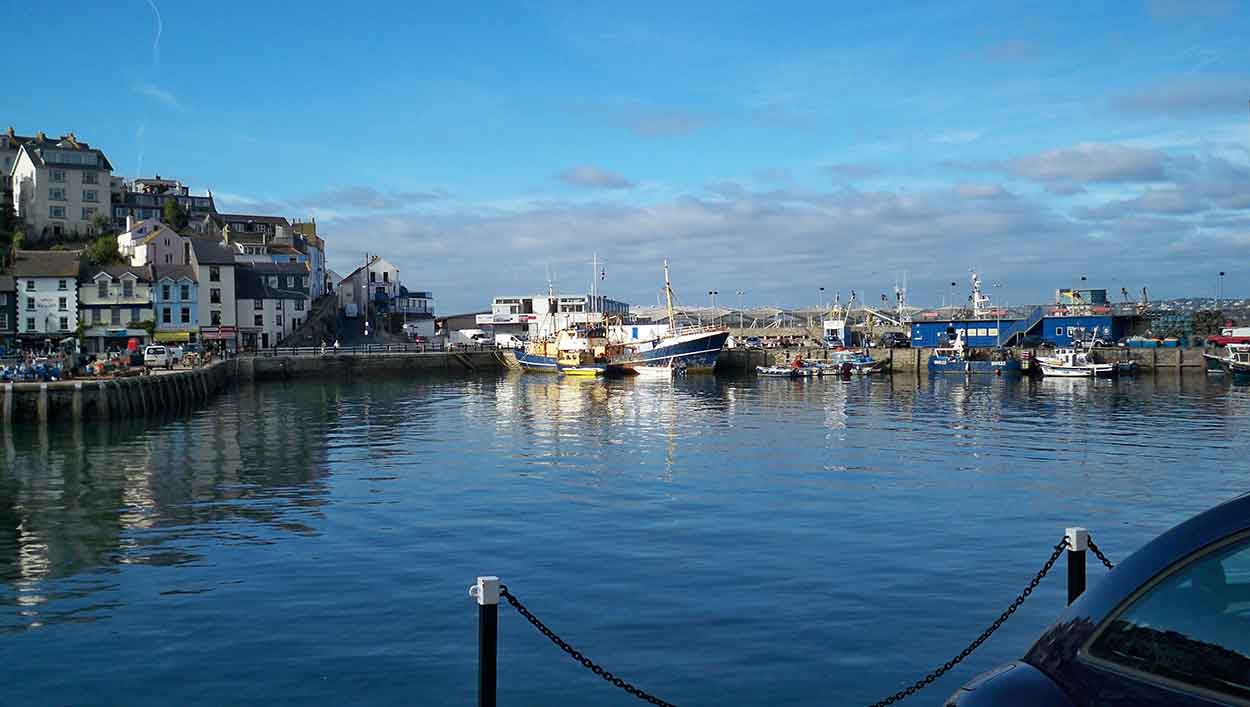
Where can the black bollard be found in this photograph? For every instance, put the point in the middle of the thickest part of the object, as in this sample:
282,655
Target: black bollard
486,592
1078,541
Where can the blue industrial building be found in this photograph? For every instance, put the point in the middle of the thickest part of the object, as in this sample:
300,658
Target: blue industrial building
987,333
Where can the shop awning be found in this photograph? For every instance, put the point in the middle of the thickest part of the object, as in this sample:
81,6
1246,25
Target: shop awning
172,336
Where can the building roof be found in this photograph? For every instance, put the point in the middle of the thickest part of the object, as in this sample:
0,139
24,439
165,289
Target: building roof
251,284
7,283
211,252
173,272
44,153
270,268
141,272
47,263
249,218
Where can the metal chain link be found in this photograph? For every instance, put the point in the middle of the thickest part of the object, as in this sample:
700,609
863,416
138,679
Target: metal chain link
576,654
1098,553
1002,618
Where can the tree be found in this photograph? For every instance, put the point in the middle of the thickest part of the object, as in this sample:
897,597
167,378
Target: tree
103,251
103,224
174,215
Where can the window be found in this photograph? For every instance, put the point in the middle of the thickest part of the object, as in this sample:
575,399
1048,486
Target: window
273,280
128,288
386,276
30,303
169,259
90,178
184,292
165,292
56,212
1190,627
30,285
215,317
134,314
115,316
30,323
214,273
166,315
186,315
373,277
88,213
56,194
1058,331
166,241
58,175
60,304
258,304
186,252
4,320
259,319
90,196
60,285
299,305
214,296
95,316
277,320
282,281
64,322
4,299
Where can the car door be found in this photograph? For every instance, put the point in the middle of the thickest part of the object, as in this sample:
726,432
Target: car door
1182,639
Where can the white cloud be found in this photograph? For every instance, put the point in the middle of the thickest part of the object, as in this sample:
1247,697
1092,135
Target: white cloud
156,93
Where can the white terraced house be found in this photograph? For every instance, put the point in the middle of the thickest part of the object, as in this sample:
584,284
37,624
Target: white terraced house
46,283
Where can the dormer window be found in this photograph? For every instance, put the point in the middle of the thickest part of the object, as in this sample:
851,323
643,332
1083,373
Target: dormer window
128,288
102,289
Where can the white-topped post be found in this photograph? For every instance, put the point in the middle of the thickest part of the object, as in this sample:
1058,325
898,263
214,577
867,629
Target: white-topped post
486,592
1078,543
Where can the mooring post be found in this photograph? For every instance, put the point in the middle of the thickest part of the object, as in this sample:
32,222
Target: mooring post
486,591
1078,542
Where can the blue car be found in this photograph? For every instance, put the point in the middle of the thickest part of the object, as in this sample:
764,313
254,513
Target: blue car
1170,625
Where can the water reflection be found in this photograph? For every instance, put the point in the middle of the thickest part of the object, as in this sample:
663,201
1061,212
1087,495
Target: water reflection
349,500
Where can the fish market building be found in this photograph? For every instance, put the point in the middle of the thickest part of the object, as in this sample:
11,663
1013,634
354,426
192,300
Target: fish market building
536,316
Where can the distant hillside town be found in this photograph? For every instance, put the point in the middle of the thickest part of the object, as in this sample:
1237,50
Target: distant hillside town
111,262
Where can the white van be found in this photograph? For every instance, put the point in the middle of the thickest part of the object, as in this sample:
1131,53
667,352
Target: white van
158,357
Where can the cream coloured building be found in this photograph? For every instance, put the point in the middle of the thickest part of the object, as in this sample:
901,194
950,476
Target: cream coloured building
60,187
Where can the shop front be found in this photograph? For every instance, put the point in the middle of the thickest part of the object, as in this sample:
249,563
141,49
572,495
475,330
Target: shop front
220,337
104,339
174,337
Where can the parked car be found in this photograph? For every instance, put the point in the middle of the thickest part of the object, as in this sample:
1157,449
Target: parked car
753,342
1170,625
158,357
895,340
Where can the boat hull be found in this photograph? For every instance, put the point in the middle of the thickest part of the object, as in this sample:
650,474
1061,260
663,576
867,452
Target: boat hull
1213,363
535,363
945,365
1090,371
692,353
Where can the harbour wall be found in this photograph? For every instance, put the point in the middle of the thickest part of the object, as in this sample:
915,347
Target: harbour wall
122,398
170,392
347,366
917,360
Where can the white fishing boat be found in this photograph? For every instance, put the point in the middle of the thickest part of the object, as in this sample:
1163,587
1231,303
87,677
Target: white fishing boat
1075,363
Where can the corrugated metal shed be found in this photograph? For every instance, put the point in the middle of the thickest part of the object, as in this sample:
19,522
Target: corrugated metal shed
978,333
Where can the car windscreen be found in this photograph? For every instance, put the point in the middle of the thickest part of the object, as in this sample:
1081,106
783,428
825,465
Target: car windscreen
1191,627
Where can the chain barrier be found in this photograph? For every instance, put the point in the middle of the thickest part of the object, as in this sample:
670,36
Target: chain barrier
576,654
896,697
1098,553
1002,618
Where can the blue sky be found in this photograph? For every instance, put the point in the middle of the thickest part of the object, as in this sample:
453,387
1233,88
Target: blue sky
759,148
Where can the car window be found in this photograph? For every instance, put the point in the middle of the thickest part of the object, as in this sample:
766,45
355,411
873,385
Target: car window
1191,627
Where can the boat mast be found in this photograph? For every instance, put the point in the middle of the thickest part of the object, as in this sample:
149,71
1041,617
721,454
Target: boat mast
668,297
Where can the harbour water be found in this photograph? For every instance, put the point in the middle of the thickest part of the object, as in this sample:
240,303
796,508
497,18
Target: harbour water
716,541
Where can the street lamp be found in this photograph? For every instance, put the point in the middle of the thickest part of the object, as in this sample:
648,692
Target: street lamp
712,294
1219,297
740,293
952,300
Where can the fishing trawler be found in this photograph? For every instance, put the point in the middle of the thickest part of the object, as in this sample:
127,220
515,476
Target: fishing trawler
688,349
957,358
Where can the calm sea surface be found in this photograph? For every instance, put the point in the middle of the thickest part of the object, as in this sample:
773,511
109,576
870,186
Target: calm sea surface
716,541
